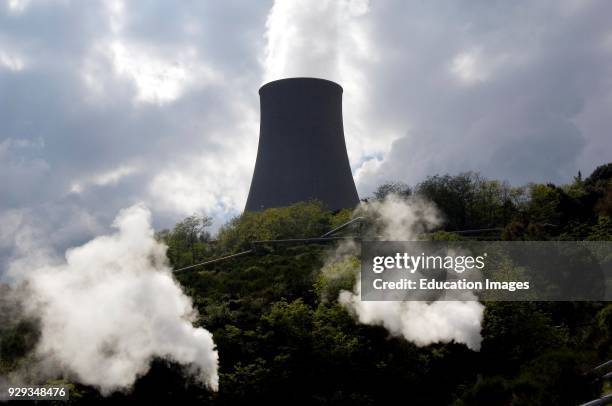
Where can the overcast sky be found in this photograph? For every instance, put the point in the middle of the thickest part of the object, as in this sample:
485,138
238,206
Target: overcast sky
104,104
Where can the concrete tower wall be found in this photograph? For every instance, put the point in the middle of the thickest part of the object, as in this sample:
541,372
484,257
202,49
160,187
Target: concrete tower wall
302,152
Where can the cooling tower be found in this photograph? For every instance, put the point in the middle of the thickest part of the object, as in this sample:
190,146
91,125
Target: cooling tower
302,153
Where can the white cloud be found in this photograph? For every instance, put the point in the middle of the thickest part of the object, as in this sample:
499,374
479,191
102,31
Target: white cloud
111,177
158,77
114,175
116,14
17,6
467,67
205,183
10,221
11,62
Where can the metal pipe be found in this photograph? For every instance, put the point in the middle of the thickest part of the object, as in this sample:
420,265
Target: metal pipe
605,400
215,260
304,240
343,226
602,366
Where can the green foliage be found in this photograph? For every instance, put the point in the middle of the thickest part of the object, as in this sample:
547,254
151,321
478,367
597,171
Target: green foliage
601,176
16,340
18,333
543,204
602,231
604,321
300,220
575,211
470,201
188,241
554,378
337,275
517,331
443,236
343,216
491,390
604,204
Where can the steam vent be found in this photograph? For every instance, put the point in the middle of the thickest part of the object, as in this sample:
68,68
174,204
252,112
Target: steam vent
302,153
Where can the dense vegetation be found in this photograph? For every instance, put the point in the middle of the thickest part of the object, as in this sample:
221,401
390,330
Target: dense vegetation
283,338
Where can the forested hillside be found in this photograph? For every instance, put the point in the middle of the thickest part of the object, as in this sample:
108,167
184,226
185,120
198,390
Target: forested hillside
283,338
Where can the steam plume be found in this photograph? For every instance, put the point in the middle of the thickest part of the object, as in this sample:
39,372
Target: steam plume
329,39
112,306
422,323
307,38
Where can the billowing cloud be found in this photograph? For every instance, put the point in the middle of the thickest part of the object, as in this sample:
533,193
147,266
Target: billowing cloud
109,307
110,103
500,88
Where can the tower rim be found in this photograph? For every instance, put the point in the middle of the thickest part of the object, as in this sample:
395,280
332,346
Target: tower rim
279,82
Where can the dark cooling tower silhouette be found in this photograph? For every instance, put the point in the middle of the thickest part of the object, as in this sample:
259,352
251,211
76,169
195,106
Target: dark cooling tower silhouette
302,153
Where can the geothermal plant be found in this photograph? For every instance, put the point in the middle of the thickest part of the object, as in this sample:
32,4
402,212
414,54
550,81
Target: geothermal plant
302,153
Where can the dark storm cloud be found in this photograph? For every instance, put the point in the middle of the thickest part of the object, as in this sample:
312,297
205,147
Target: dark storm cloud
495,87
77,140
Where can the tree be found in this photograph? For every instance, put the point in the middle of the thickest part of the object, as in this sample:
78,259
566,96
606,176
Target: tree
300,220
600,176
397,188
469,201
188,241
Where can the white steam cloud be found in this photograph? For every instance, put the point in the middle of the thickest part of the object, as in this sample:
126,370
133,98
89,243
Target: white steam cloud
306,38
329,39
112,306
422,323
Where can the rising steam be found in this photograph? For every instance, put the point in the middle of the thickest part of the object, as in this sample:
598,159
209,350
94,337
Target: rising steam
334,40
306,38
422,323
111,307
